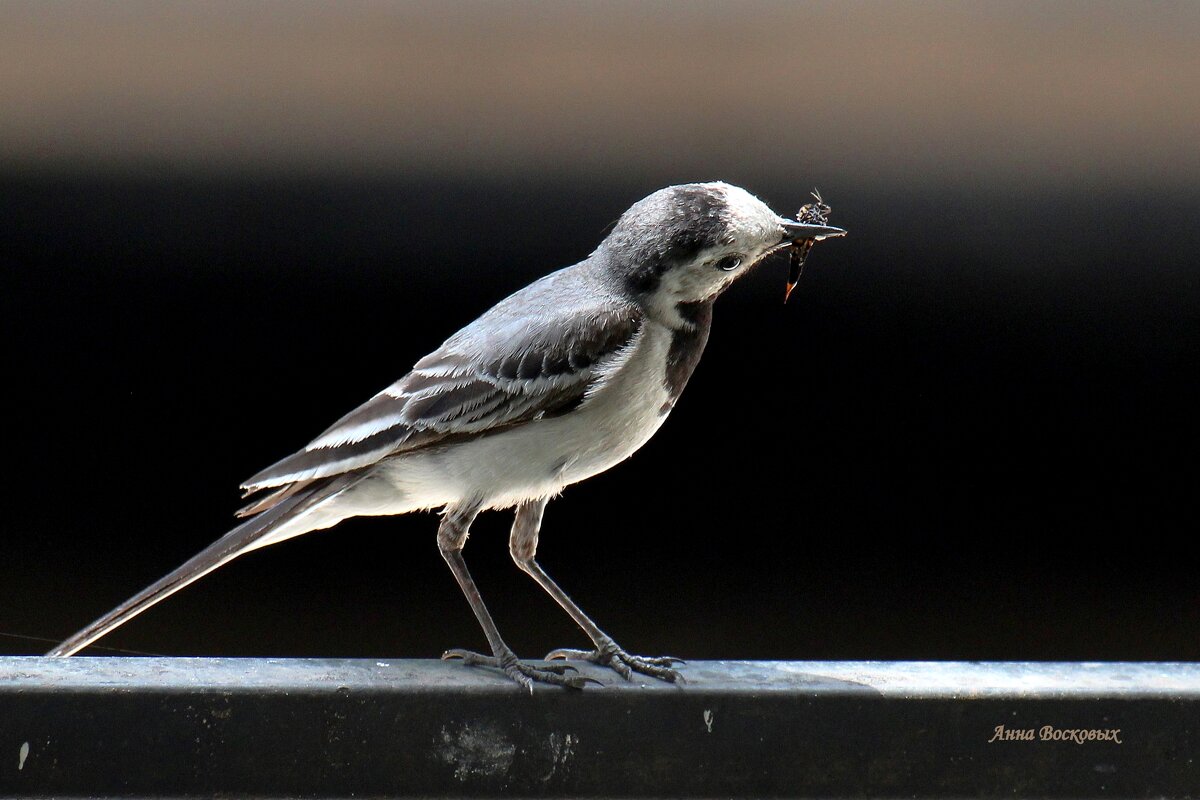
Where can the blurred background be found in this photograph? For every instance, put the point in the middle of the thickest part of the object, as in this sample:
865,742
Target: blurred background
970,434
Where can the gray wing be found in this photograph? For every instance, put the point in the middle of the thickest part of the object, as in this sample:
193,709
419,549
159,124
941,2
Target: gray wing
504,369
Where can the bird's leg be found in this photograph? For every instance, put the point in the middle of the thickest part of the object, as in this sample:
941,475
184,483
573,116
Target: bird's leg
522,544
452,536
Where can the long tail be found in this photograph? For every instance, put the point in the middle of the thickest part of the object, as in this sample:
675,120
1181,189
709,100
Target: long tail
240,540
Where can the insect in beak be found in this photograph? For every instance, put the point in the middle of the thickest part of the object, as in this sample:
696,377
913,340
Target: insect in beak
810,214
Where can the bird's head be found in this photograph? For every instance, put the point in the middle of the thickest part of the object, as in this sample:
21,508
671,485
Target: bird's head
689,243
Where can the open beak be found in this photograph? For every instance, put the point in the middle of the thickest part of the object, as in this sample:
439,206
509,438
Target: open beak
798,231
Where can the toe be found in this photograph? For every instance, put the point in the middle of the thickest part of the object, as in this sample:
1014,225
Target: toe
558,669
664,661
471,657
568,654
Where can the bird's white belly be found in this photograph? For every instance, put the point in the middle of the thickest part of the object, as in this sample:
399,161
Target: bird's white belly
539,458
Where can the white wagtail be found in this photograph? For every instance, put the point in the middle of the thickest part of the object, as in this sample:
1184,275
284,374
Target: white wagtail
553,385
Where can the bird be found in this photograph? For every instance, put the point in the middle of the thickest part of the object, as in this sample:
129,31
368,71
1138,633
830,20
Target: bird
558,382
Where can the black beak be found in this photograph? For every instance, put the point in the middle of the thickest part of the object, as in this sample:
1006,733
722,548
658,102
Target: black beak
797,231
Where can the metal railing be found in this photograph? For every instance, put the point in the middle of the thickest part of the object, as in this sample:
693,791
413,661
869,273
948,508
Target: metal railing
340,728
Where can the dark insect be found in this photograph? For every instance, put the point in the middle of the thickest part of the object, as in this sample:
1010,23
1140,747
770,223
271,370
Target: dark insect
815,214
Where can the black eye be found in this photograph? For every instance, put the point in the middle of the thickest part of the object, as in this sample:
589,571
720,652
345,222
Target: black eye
729,263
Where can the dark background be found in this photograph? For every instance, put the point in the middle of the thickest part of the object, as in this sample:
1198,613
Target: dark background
970,434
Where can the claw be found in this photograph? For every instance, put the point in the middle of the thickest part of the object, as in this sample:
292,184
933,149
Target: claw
559,668
579,681
523,674
567,653
662,661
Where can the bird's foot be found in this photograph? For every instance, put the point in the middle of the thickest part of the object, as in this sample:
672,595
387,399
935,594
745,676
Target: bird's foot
524,674
608,654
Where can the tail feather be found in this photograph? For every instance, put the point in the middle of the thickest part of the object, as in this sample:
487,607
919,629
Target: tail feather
271,500
239,540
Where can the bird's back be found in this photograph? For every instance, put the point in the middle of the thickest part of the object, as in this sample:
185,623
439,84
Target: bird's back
536,352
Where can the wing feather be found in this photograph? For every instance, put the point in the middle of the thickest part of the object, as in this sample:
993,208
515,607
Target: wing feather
473,383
